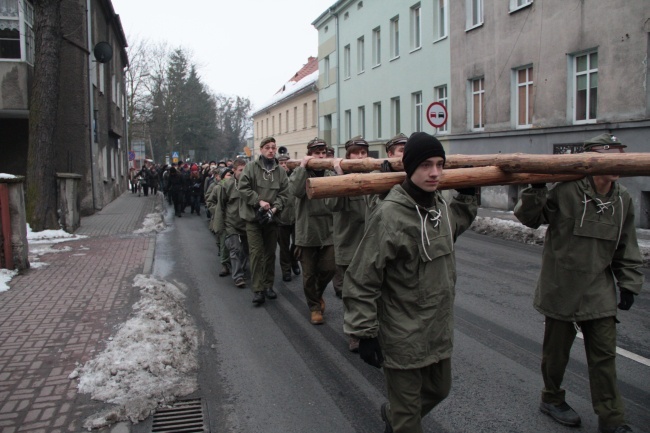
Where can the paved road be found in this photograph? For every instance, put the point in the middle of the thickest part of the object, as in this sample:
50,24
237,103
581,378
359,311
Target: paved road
268,369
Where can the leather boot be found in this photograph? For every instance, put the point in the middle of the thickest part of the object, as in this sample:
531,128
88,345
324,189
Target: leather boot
317,318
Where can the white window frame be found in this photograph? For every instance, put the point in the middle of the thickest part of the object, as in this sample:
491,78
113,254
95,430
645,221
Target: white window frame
314,112
394,37
515,5
376,109
24,25
440,20
591,74
441,95
346,61
417,111
305,115
361,55
416,27
326,71
287,121
528,87
348,125
474,16
361,125
376,47
477,95
395,115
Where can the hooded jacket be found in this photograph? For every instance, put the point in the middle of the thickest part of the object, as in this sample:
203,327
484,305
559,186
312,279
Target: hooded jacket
349,220
313,219
590,242
227,209
400,283
257,183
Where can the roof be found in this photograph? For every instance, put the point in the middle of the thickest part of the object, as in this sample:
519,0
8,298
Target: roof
306,76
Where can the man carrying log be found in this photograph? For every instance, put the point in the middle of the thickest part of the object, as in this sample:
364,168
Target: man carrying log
590,248
399,287
394,149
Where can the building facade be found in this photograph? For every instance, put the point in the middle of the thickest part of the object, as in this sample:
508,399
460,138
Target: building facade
91,129
382,63
291,115
530,76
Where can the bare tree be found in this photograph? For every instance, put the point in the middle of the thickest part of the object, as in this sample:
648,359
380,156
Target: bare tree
41,193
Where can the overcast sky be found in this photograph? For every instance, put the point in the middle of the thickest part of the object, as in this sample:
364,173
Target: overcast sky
245,48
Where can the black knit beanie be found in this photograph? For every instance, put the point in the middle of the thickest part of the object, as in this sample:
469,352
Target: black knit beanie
420,146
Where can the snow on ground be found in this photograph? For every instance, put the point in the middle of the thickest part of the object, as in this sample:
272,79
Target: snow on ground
153,222
506,229
151,360
5,276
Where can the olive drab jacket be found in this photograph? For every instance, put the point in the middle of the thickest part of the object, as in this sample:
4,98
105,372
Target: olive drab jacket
590,240
349,221
212,203
313,218
227,209
257,183
400,283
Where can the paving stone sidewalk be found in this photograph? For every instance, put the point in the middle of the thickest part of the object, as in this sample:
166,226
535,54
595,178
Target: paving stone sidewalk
61,314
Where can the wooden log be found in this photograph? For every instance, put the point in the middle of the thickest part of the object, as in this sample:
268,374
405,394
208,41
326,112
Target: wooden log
377,183
624,164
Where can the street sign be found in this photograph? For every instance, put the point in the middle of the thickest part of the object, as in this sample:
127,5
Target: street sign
131,155
175,157
437,114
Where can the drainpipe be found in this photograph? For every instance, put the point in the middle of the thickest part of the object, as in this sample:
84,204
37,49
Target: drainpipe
91,102
338,86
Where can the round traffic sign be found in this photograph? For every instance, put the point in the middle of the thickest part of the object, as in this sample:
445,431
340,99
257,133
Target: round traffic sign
437,114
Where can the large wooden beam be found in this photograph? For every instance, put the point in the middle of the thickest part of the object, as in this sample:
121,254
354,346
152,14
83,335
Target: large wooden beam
377,183
624,164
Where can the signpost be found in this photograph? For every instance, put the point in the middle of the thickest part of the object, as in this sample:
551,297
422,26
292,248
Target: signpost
175,157
437,115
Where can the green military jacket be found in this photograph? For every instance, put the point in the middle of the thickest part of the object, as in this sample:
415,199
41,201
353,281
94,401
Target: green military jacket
400,283
227,217
288,215
349,221
590,240
212,202
257,183
313,218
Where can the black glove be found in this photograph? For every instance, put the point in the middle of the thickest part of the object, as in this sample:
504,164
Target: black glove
264,216
627,299
370,351
467,191
386,167
537,185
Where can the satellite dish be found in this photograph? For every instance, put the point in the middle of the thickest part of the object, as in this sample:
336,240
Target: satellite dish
103,52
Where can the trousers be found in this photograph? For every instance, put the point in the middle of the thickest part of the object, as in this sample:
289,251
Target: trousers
262,240
318,268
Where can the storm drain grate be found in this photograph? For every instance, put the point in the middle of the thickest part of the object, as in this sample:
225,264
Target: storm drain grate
184,416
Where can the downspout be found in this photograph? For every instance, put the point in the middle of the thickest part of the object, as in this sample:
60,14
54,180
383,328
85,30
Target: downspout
91,102
338,87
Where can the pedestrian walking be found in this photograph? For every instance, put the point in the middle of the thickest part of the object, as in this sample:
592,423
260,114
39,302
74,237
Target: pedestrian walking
590,248
287,230
399,288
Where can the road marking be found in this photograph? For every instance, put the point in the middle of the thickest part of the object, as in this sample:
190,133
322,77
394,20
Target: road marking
626,353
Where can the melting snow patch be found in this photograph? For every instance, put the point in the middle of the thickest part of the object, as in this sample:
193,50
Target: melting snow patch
150,361
153,222
511,230
5,276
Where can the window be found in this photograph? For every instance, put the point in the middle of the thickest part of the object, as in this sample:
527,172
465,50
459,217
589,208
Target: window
474,13
585,85
102,83
394,37
279,123
326,71
14,15
273,125
346,61
361,54
417,111
440,19
286,119
518,4
376,47
477,102
295,118
362,121
524,97
348,125
377,119
304,116
440,93
314,113
416,27
395,116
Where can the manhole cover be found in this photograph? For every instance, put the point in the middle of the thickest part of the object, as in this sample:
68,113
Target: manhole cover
183,416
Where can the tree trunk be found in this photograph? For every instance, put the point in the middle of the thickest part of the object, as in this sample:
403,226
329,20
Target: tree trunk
377,183
41,191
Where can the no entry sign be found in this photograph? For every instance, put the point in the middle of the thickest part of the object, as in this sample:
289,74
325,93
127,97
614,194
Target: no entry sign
437,114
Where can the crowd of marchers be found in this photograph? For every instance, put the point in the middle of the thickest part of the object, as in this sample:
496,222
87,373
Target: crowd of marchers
391,260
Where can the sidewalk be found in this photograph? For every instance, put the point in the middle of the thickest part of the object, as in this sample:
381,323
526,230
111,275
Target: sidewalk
58,315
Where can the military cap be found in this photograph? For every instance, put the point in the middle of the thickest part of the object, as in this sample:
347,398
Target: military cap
284,157
316,142
604,143
267,140
398,139
356,141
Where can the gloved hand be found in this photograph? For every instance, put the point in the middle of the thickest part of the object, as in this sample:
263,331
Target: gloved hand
627,299
467,191
263,216
386,167
537,185
370,351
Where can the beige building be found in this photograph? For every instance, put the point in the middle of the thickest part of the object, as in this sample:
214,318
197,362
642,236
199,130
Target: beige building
291,115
